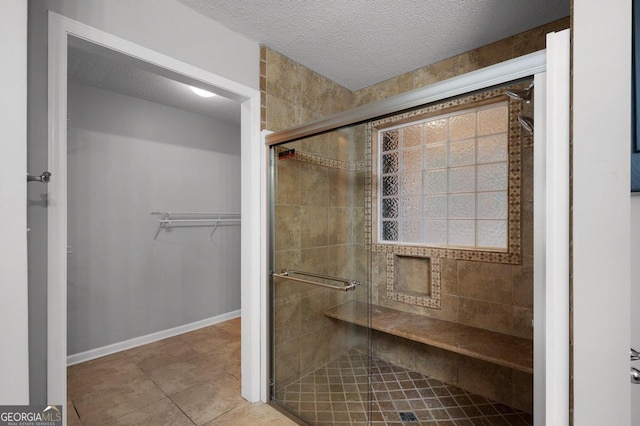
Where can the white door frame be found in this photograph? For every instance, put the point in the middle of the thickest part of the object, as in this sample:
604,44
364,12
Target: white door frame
252,237
601,105
14,357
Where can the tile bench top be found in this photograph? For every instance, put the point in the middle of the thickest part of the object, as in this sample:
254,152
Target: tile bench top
502,349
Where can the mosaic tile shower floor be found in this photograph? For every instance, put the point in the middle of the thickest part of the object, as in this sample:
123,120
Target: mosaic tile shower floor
337,394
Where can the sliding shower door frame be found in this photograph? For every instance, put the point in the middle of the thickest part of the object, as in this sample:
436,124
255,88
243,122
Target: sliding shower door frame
550,345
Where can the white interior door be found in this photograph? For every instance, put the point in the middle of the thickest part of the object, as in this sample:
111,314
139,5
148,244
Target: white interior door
14,356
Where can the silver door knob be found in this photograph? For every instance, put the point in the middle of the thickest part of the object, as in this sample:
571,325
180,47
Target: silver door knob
635,376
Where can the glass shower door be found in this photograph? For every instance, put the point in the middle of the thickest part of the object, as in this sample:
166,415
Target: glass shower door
320,340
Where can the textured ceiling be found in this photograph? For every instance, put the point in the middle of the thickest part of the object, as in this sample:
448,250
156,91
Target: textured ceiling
357,43
109,73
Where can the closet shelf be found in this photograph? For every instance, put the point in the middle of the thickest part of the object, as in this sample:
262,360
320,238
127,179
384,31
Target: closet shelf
182,219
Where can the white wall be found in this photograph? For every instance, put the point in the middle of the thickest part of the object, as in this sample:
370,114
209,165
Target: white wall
635,295
601,212
163,25
126,158
171,28
14,385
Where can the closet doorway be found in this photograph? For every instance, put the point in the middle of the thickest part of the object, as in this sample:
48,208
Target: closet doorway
145,236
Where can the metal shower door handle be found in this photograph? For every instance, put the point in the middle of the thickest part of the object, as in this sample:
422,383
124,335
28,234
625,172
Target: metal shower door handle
635,373
45,177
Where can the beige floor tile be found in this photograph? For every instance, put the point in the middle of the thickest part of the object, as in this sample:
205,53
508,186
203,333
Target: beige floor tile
100,374
209,400
72,416
180,375
247,414
212,338
97,363
228,356
161,413
162,353
102,407
231,326
208,344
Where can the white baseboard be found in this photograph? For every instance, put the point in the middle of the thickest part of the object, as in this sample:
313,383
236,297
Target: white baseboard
149,338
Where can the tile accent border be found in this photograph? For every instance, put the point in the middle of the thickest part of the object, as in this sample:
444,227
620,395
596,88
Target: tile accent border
304,157
430,301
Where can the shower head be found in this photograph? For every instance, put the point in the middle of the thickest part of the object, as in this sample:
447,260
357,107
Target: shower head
527,123
521,95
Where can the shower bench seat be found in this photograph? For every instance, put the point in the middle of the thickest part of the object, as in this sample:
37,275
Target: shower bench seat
502,349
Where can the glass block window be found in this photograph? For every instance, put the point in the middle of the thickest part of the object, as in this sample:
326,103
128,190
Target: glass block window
444,180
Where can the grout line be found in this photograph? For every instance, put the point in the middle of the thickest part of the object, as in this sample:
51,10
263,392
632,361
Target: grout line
181,410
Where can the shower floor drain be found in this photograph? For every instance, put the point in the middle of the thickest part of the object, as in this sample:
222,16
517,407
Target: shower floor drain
408,417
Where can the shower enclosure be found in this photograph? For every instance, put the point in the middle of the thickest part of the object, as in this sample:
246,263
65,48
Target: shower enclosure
361,277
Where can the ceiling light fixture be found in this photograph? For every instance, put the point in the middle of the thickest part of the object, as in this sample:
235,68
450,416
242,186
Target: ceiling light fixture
201,92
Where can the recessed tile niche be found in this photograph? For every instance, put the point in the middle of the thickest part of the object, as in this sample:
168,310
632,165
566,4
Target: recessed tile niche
412,275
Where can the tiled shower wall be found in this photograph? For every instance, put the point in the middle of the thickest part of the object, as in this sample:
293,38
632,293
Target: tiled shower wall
293,94
319,210
493,296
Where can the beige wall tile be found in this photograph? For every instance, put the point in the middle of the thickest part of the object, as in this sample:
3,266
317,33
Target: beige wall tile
384,89
287,190
486,55
312,309
485,379
314,226
437,363
315,260
523,285
439,71
339,186
281,114
522,391
339,225
284,78
288,366
534,39
287,227
412,275
357,225
449,276
287,320
485,281
323,95
393,349
315,351
522,318
313,185
487,315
